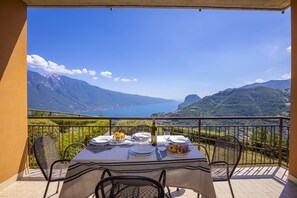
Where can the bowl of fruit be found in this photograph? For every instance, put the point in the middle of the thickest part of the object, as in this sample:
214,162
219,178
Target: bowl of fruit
176,148
119,137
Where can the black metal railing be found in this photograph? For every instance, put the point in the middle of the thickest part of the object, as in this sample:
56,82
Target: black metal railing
265,139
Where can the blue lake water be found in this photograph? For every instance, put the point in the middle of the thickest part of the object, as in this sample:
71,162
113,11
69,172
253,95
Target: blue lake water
137,111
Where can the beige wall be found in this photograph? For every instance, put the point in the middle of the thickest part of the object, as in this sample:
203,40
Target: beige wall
293,134
13,88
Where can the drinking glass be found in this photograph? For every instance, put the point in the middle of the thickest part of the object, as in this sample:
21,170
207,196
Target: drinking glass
166,135
140,137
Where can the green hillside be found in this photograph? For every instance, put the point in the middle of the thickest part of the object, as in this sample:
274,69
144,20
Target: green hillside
259,101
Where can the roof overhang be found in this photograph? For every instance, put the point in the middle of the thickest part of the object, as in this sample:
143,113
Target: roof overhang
198,4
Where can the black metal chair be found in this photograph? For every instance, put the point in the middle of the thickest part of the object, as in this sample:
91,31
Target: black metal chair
52,167
225,158
134,186
129,186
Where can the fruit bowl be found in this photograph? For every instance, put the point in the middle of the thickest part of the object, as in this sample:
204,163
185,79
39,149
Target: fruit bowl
119,136
178,148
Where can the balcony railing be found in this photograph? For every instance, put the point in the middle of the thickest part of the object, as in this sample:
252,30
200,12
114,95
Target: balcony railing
265,140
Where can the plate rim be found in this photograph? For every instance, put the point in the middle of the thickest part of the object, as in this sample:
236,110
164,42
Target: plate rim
101,138
184,140
139,145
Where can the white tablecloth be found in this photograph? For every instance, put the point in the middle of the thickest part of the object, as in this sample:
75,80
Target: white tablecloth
186,171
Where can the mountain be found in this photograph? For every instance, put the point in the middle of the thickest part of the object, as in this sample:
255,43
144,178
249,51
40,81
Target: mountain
274,84
259,101
190,99
61,93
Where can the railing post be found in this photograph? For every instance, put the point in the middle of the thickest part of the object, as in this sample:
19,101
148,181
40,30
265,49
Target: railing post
109,126
199,130
280,148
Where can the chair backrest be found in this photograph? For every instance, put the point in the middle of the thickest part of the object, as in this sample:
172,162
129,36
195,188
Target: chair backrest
46,153
129,186
227,149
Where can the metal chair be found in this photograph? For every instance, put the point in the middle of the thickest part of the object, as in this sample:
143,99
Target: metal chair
52,167
225,158
130,186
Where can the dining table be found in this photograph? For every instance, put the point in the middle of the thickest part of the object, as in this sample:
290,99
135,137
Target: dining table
189,170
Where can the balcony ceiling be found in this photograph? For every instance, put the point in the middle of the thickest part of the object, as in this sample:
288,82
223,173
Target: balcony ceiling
203,4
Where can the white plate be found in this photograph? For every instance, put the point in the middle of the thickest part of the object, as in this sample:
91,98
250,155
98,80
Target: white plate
142,149
101,140
142,136
180,140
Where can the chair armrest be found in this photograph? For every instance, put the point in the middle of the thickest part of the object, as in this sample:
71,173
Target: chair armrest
219,163
72,145
225,164
206,152
53,164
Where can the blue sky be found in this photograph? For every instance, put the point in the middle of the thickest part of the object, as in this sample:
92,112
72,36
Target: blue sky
167,53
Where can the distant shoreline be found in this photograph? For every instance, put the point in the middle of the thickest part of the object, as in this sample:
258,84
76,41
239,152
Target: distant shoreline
142,110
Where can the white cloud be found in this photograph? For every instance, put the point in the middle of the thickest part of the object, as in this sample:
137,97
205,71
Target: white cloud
125,79
128,80
286,76
289,49
77,71
106,74
259,80
92,72
36,61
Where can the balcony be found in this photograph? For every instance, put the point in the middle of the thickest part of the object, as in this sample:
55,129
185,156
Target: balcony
262,182
262,170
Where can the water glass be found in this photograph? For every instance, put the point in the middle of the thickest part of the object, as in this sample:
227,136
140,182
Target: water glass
166,135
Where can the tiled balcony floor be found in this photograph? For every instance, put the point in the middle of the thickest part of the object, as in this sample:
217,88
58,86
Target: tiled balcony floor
253,182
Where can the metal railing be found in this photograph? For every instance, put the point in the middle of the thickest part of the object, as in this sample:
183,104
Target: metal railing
265,140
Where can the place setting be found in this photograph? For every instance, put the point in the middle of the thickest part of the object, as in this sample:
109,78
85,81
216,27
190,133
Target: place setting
101,141
118,138
141,150
141,137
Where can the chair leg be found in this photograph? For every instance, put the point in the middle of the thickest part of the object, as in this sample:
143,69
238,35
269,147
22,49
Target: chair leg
47,185
177,189
231,188
58,187
198,195
168,191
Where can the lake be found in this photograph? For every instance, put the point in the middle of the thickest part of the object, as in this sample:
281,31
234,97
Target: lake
137,111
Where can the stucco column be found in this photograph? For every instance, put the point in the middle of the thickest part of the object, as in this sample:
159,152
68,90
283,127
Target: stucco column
13,90
293,128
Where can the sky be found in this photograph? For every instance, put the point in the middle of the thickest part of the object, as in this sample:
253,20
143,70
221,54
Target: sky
168,53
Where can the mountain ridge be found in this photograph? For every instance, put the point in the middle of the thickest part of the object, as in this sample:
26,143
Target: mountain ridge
61,93
258,101
275,84
189,99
